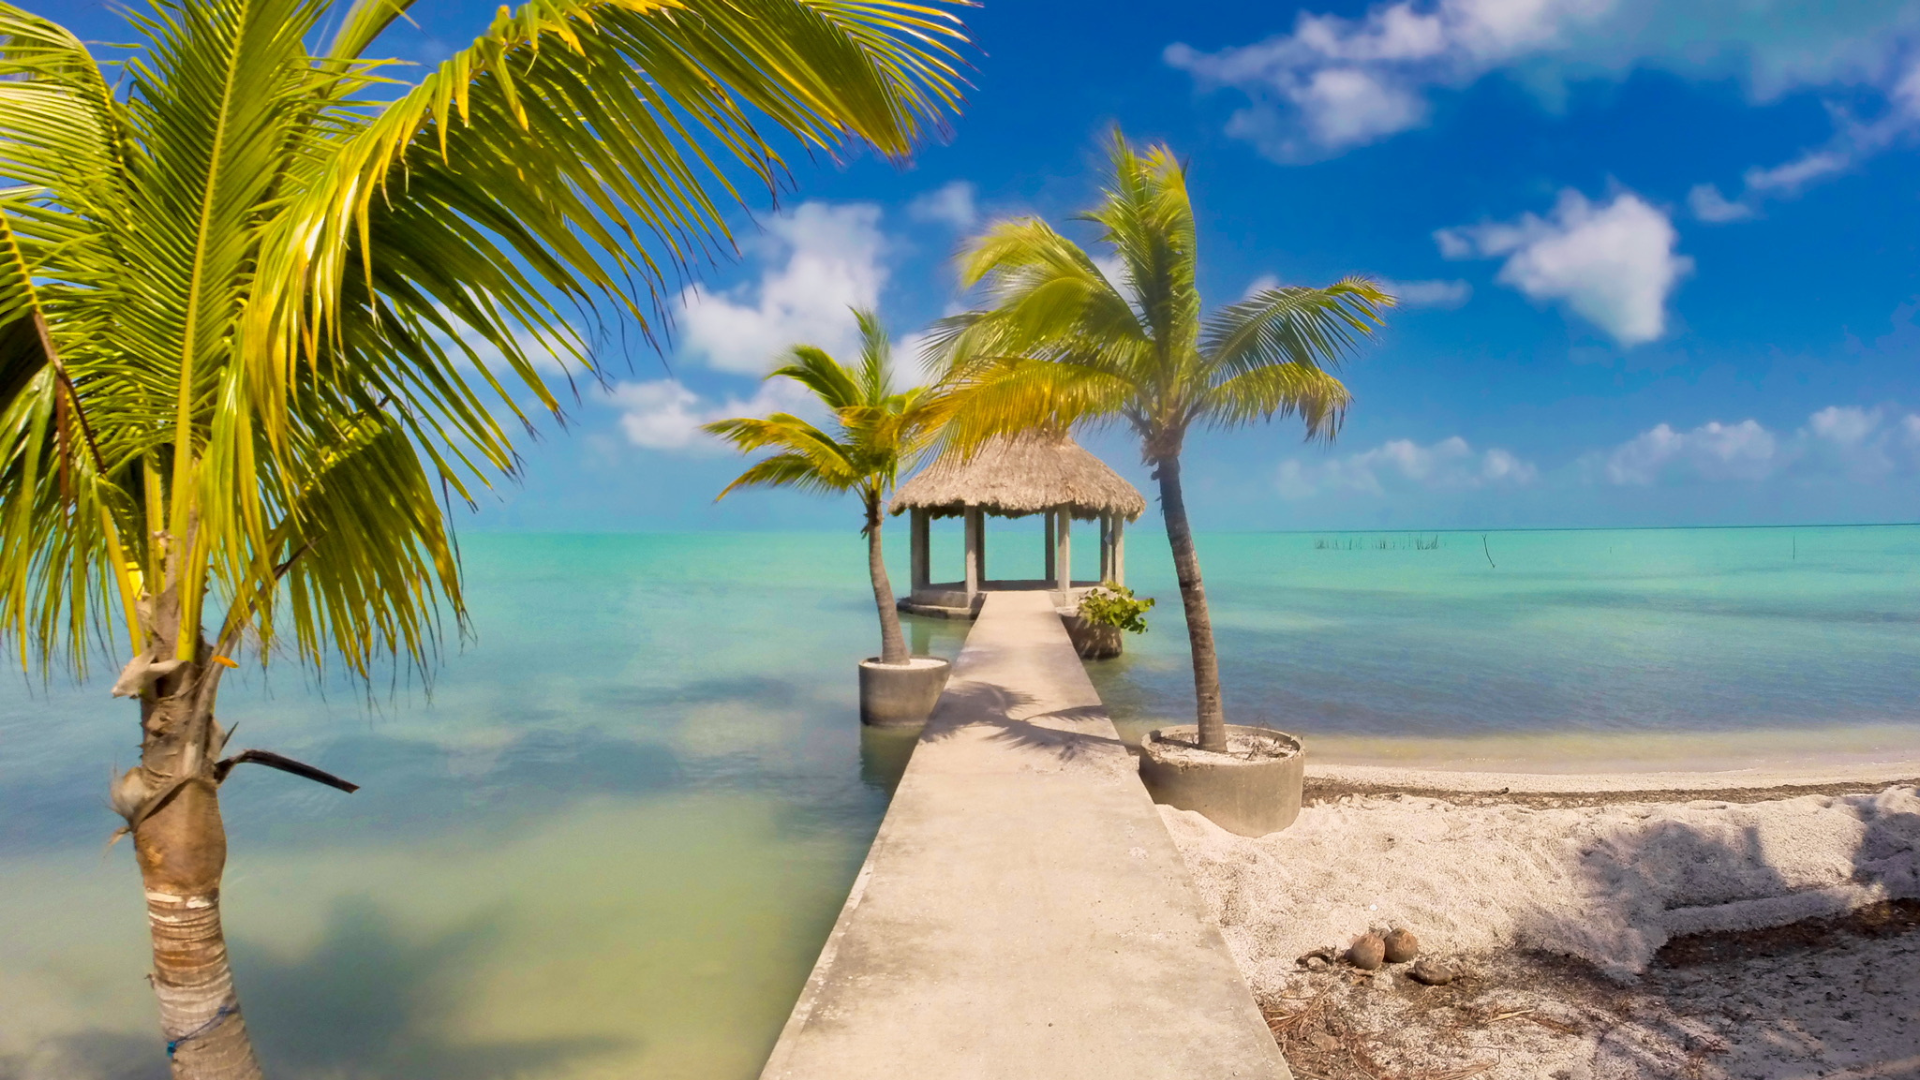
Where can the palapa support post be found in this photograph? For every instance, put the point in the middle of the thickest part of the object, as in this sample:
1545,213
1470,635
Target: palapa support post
1047,545
1063,550
922,571
974,545
1106,546
1119,550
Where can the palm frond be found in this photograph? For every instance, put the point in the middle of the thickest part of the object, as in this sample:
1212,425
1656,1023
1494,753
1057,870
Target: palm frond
813,368
288,314
1010,395
1294,325
1284,389
1147,217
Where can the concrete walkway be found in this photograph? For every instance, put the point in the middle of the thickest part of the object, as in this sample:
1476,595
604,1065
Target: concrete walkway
1023,912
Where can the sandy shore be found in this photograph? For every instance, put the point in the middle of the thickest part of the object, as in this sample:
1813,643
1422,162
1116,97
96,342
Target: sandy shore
1627,925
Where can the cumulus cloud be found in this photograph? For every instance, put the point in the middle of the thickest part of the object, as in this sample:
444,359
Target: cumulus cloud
1334,83
1712,451
817,260
951,204
1401,464
663,414
1613,264
1845,440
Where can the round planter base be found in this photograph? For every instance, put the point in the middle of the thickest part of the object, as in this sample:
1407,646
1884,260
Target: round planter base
893,694
1093,641
1252,790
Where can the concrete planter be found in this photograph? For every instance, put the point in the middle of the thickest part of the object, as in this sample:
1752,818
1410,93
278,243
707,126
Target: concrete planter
1252,790
1093,641
901,693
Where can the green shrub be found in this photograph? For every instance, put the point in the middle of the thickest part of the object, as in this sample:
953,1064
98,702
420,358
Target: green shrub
1109,604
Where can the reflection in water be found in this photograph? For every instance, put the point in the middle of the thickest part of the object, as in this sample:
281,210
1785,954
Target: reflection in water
884,753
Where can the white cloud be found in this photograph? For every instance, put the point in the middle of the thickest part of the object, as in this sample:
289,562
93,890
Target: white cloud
1710,206
1861,444
1334,83
818,261
1450,465
1845,440
1712,451
1430,294
951,204
1844,425
1854,141
662,414
1613,264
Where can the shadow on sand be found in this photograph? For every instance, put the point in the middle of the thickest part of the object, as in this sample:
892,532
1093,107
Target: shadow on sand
1639,884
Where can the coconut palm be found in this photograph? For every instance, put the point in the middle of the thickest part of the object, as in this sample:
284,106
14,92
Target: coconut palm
263,309
877,432
1065,340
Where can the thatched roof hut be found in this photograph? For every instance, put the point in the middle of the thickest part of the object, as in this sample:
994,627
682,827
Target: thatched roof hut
1031,473
1027,474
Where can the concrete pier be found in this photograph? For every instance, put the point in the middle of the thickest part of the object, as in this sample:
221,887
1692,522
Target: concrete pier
1023,914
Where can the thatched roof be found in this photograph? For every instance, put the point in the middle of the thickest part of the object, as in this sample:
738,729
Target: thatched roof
1024,474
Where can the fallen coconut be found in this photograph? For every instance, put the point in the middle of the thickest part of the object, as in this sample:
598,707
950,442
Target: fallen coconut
1366,952
1432,973
1402,946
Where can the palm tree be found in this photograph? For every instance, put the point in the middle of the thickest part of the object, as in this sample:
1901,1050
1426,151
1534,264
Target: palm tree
877,431
264,309
1064,342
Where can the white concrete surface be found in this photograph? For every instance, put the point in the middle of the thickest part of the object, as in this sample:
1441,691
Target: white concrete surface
1023,913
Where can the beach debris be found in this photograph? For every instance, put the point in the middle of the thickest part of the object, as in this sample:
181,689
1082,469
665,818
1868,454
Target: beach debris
1401,945
1319,958
1367,951
1432,973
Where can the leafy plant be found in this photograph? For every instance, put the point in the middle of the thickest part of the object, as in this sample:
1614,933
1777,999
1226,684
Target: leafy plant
876,431
268,307
1070,339
1110,604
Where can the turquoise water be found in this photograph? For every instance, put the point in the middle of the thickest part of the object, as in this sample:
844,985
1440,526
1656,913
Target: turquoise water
1554,650
613,841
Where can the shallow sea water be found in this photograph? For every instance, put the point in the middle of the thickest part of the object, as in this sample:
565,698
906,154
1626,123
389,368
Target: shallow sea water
612,842
1551,650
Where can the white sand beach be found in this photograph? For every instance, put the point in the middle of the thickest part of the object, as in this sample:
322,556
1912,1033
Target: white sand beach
1617,926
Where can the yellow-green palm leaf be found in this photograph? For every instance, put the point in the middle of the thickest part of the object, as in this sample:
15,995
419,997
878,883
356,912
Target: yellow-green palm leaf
265,311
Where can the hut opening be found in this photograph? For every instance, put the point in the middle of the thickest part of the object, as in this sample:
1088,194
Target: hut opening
1034,473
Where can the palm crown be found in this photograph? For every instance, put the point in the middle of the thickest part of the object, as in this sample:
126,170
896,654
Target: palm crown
264,310
252,315
1066,339
877,432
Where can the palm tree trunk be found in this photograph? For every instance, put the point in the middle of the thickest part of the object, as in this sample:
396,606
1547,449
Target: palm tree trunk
1209,715
893,643
182,851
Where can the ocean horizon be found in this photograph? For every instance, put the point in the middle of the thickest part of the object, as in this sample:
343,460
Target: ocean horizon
613,839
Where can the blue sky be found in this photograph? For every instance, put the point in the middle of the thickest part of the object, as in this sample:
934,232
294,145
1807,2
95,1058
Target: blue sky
1660,257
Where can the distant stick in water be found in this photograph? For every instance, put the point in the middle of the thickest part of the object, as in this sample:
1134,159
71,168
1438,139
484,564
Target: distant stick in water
1483,549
